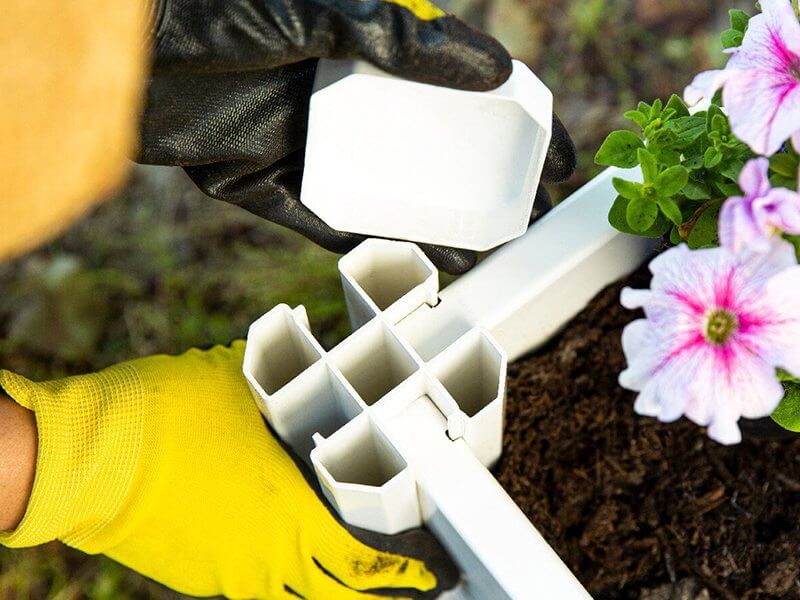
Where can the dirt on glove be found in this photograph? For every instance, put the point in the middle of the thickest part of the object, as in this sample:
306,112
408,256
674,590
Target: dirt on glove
639,509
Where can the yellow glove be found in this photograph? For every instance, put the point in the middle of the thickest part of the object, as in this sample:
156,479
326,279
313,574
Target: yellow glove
165,465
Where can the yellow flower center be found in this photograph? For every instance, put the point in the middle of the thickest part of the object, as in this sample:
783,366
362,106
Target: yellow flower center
720,326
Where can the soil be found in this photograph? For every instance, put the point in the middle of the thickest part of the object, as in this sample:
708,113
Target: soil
639,509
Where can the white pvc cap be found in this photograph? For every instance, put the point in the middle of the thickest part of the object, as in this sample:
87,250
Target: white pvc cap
386,157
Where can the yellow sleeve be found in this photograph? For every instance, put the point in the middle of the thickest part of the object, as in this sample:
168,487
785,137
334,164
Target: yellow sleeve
165,464
71,77
92,443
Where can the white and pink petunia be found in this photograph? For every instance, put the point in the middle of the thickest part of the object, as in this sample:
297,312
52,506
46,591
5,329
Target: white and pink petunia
751,220
761,82
717,326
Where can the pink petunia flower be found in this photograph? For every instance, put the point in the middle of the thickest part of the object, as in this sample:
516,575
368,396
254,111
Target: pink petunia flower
717,326
750,220
761,82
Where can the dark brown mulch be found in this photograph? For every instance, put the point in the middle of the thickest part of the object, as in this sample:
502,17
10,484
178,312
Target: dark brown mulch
639,509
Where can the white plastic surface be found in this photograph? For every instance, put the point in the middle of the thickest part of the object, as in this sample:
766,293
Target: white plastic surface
407,413
528,289
391,158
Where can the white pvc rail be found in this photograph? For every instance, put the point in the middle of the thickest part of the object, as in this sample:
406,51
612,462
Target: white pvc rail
402,419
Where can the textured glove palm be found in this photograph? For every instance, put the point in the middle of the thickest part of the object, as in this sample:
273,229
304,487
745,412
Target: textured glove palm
228,98
165,465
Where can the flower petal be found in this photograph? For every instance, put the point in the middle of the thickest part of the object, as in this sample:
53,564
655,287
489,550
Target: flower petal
783,21
782,334
754,177
756,268
763,107
632,298
796,140
705,84
760,391
646,403
772,38
688,276
739,229
678,371
725,430
783,207
641,353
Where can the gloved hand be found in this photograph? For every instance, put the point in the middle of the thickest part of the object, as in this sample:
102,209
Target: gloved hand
228,98
165,465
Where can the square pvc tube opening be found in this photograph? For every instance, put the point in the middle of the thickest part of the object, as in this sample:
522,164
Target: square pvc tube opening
360,454
470,370
373,361
316,402
387,272
283,350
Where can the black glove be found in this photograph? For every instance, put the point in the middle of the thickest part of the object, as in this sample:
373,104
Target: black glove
228,97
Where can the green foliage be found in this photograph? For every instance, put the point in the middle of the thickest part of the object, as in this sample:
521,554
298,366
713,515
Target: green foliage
689,165
702,230
618,217
732,38
787,415
783,169
619,149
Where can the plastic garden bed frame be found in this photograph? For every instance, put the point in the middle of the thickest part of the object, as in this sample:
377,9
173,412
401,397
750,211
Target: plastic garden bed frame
402,419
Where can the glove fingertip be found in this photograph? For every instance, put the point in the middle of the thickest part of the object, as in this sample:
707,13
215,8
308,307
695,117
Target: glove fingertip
483,63
453,261
541,205
561,159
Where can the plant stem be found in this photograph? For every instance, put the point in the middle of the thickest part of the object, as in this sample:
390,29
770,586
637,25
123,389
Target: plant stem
686,229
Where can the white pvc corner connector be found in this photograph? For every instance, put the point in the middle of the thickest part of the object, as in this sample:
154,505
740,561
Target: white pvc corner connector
401,420
392,158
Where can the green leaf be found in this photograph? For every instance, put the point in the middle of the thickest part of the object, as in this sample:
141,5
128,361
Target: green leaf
649,165
670,182
719,124
668,158
739,20
688,129
784,164
618,219
704,231
675,236
712,158
787,415
627,189
670,210
732,171
641,214
727,189
731,38
786,376
779,181
637,117
619,150
795,241
655,110
677,104
696,191
713,111
693,163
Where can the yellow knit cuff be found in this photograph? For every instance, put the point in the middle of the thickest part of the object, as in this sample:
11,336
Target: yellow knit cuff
87,427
